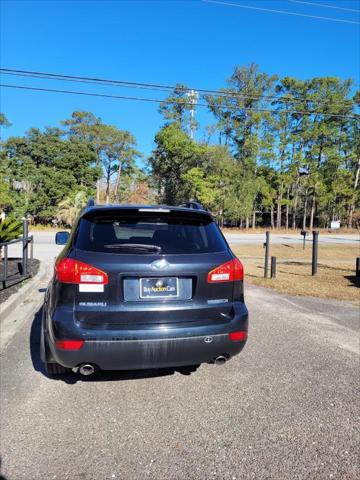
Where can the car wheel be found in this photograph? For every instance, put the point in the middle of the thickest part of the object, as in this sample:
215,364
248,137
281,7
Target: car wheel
188,370
55,369
42,345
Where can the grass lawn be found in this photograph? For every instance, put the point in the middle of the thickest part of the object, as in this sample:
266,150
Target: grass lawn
336,270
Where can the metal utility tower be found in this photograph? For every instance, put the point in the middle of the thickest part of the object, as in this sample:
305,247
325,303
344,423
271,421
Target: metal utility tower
193,98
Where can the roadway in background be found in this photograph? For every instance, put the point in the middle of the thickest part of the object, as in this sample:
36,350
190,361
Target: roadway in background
45,248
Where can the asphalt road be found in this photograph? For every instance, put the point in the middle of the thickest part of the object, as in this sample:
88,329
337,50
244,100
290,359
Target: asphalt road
286,408
45,248
259,238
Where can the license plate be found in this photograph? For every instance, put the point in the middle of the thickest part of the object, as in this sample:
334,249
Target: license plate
164,287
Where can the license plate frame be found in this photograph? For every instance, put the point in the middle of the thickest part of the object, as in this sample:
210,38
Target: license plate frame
151,281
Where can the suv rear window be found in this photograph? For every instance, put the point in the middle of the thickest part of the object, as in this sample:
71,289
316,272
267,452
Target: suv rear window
149,233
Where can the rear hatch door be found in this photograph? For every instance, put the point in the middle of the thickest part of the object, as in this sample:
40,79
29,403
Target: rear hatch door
157,266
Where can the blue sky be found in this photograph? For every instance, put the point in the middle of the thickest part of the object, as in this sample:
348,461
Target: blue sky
163,42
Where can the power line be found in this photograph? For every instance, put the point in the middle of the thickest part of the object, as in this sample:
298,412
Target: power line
72,78
149,86
284,12
153,100
122,97
326,6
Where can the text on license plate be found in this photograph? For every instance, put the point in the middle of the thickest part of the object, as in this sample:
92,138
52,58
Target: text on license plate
159,287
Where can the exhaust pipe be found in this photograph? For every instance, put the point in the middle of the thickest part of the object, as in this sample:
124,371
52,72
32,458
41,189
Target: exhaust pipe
86,369
220,360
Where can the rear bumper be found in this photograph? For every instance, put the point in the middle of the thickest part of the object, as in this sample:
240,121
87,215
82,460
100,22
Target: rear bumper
143,354
147,347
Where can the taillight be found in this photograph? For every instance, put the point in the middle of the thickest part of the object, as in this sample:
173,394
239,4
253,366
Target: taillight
239,336
69,270
69,344
227,272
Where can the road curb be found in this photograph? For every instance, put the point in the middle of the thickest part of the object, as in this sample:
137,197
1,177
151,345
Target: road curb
23,307
20,295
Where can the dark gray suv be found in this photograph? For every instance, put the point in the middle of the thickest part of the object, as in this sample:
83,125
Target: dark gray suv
140,287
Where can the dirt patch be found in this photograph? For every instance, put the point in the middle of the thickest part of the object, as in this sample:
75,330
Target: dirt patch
336,270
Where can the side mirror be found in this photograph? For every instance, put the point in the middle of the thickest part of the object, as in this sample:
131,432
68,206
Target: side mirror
61,238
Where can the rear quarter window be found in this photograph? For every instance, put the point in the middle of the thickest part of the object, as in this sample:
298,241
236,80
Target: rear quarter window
170,234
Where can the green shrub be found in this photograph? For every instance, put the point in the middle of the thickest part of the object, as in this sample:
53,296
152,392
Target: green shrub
10,229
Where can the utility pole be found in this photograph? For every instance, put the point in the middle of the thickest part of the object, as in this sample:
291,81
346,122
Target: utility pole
193,98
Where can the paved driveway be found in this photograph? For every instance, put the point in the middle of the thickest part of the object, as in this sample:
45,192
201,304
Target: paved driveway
286,408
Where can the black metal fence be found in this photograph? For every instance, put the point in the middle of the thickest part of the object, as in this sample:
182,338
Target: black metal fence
25,270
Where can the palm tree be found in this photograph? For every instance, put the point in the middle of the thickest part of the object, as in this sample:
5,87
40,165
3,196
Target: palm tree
69,208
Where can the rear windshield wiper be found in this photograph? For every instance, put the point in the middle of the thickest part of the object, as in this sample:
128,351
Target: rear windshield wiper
134,246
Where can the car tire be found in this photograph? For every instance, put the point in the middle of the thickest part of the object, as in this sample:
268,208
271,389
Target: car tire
54,369
42,344
188,370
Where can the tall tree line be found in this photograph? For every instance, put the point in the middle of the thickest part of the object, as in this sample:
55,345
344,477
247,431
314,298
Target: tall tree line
288,151
50,174
281,152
